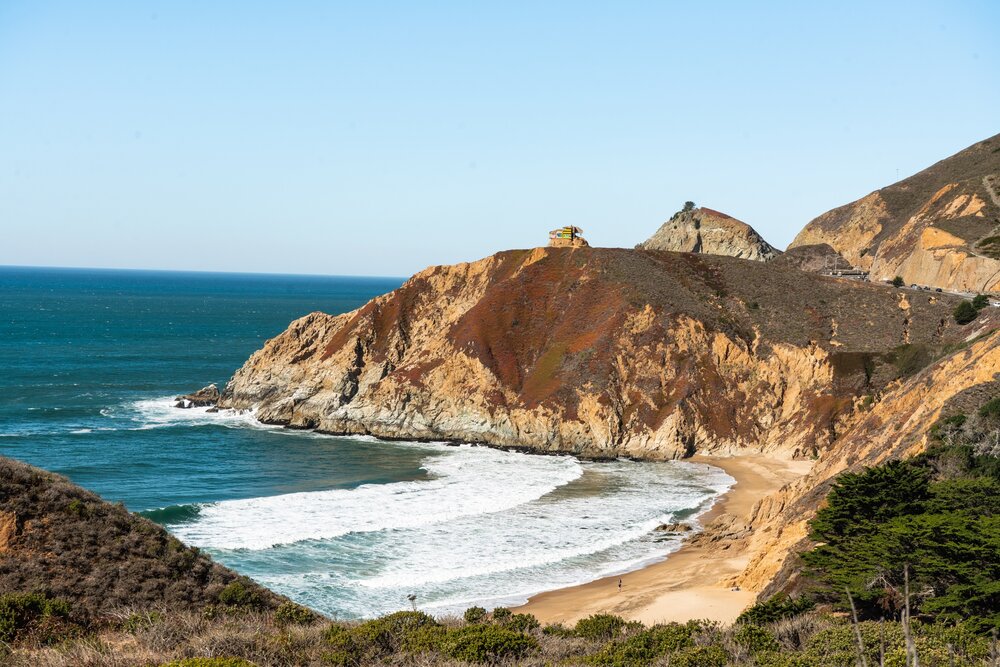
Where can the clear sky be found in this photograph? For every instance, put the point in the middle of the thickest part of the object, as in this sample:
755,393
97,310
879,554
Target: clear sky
377,138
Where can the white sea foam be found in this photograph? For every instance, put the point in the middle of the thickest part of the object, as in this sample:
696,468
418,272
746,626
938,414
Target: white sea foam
153,413
490,528
464,481
485,527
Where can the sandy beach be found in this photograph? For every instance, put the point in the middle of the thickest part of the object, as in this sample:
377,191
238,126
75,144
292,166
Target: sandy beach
693,581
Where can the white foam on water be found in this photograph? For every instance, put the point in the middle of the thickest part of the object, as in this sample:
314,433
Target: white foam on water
485,527
464,481
161,413
503,548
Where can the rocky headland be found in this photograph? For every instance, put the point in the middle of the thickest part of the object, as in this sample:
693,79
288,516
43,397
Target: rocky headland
597,352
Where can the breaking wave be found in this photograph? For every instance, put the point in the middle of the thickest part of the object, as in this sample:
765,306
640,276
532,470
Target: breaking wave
464,481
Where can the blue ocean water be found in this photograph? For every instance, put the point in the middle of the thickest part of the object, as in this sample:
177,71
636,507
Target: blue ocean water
89,363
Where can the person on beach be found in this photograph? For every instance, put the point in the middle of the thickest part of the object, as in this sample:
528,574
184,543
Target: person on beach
619,585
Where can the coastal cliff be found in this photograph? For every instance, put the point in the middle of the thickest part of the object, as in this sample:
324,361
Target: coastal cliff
597,352
896,426
937,228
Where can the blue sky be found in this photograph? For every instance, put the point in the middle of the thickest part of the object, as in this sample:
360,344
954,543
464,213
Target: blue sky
377,138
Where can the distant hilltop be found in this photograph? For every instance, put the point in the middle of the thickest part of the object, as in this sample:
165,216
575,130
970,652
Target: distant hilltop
940,227
703,230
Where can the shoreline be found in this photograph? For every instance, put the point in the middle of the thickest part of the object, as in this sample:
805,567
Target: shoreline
691,582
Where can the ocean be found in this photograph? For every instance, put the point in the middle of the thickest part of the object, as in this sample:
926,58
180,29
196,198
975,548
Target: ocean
90,361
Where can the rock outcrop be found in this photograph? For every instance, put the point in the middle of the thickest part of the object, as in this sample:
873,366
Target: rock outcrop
940,227
819,258
703,230
598,352
206,396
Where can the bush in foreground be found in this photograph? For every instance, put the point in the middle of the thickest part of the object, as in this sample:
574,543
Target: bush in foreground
645,646
488,644
24,612
775,608
402,632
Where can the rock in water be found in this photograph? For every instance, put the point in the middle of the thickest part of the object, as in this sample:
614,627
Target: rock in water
710,232
674,528
206,396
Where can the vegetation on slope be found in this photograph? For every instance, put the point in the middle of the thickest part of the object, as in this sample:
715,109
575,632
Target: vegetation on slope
62,542
242,638
226,621
930,524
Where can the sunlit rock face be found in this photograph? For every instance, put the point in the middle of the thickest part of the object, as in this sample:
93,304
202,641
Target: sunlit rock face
703,230
600,352
938,228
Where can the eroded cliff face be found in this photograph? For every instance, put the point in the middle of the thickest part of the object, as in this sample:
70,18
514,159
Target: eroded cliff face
939,228
895,426
598,352
704,230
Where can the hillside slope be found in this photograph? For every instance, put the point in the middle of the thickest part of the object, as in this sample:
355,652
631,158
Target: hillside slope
703,230
65,542
599,352
896,426
940,227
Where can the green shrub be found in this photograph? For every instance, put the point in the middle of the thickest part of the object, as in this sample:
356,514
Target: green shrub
600,627
474,615
371,641
942,426
487,644
21,611
778,659
643,647
964,312
838,646
77,507
522,623
700,656
501,614
289,613
241,595
775,608
980,301
898,281
755,639
558,630
945,533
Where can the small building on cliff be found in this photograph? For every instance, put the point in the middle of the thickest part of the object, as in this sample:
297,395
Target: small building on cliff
567,237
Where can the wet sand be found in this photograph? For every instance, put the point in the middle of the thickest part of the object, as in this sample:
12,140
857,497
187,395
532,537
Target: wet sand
691,582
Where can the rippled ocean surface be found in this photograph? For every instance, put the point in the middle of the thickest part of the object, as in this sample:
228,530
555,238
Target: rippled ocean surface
90,359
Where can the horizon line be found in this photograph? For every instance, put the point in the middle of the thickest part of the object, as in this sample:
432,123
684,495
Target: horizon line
197,271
